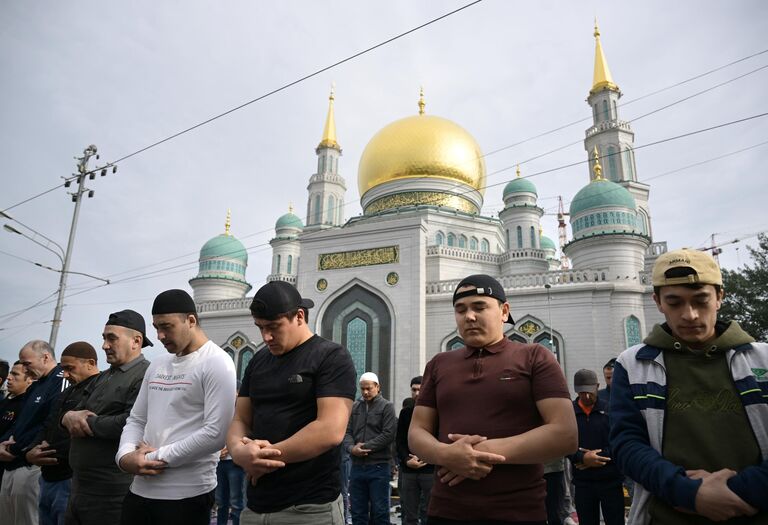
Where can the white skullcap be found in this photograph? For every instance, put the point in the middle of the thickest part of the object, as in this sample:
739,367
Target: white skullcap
369,376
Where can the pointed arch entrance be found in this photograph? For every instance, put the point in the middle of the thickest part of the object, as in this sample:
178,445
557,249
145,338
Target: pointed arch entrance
360,320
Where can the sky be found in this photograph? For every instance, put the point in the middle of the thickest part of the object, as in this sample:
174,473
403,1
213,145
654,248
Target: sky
125,75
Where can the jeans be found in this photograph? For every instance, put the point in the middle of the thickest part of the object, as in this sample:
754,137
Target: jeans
229,492
52,506
591,497
555,501
415,496
369,493
346,467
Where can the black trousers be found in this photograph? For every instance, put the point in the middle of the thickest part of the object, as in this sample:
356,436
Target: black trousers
555,501
591,497
189,511
434,520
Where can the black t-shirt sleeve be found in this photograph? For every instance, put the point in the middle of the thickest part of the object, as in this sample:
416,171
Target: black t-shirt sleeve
336,374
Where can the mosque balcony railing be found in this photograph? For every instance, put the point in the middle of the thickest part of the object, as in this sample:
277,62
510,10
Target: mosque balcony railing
524,253
463,253
282,277
656,248
221,305
531,280
609,124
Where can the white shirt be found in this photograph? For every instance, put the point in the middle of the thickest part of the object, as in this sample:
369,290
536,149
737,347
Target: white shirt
183,409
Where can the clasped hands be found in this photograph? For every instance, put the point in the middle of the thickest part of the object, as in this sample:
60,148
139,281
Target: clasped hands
136,462
5,454
714,499
256,457
76,423
460,460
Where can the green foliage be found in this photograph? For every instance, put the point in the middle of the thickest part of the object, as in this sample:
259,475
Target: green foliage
746,293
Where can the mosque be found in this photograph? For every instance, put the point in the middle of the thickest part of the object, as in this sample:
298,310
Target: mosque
382,282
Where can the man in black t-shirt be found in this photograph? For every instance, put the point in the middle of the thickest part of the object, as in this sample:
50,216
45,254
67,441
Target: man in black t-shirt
291,415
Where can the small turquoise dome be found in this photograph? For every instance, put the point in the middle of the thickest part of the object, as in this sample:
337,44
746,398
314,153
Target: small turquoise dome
289,220
601,193
519,185
224,247
547,243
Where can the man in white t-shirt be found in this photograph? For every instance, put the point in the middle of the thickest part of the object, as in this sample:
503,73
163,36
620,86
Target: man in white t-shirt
178,425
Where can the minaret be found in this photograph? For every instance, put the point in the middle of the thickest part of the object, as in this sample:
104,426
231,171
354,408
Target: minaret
614,137
327,189
521,218
286,248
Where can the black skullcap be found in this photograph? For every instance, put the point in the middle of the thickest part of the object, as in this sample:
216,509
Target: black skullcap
132,320
485,285
276,298
81,350
173,302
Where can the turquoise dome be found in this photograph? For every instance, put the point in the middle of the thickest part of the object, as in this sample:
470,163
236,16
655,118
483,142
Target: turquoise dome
601,194
289,220
547,243
519,185
224,247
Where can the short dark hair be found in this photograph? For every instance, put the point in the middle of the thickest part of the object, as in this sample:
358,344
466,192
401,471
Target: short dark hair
4,369
416,380
684,271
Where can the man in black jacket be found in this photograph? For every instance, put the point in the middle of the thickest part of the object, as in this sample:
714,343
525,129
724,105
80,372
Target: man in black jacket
50,449
10,407
20,489
416,475
595,476
370,433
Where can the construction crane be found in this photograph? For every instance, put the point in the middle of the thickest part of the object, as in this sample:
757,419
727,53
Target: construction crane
562,234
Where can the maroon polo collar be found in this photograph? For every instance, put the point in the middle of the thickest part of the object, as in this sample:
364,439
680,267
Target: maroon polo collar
495,348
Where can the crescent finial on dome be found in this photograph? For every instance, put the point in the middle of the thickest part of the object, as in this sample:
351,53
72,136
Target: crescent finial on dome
228,222
422,104
597,168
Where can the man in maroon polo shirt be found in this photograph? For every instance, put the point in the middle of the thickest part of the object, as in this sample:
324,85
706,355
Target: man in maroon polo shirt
498,409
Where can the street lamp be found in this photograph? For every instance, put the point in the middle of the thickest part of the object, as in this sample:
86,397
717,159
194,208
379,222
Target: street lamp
551,330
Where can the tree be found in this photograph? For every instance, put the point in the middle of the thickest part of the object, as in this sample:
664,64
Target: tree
746,292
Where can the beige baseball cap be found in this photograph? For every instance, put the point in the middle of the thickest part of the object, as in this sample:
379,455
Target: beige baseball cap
706,270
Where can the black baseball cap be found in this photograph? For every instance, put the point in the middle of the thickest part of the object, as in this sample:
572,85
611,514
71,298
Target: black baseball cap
276,298
132,320
484,285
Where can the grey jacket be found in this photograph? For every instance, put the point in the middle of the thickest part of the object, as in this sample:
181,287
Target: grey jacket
374,424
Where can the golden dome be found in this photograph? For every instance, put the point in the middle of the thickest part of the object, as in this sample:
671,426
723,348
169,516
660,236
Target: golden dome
422,146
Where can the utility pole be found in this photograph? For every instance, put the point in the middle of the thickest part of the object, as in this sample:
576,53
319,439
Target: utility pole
77,198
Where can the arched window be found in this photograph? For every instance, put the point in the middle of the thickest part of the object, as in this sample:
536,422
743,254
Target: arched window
594,113
451,239
632,331
277,264
485,246
289,268
330,209
606,111
517,338
357,335
473,243
533,237
553,344
613,173
462,241
626,156
615,111
507,239
519,237
454,344
246,354
439,238
317,211
320,164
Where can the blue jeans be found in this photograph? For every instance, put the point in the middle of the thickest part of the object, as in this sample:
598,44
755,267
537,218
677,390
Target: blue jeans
229,492
346,466
369,489
52,505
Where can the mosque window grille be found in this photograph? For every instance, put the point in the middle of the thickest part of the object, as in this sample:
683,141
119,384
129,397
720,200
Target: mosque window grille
533,237
613,173
462,241
451,239
440,238
473,244
454,344
632,331
277,263
485,246
357,335
519,237
289,266
317,210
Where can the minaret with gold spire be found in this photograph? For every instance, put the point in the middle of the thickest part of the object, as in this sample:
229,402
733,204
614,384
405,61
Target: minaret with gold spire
612,136
327,189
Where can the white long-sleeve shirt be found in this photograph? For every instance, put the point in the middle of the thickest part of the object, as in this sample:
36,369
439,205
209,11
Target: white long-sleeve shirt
183,409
